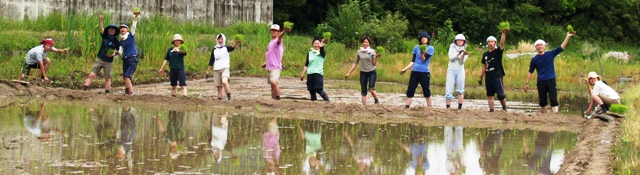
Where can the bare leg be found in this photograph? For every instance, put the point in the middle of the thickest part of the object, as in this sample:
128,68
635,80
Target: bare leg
490,101
173,90
21,77
275,90
107,84
219,92
364,100
89,80
128,85
375,95
225,84
184,90
409,100
429,102
503,102
555,109
543,109
460,98
47,63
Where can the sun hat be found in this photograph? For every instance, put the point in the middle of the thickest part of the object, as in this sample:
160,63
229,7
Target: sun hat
275,27
460,37
48,41
593,74
539,42
177,37
111,26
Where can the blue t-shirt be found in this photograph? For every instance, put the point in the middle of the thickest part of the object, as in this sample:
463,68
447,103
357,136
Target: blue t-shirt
129,46
418,64
545,64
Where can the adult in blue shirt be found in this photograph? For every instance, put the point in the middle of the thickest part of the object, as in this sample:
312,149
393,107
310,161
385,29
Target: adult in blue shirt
544,63
129,53
420,73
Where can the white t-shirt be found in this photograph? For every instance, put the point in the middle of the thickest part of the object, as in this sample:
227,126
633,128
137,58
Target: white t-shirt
604,89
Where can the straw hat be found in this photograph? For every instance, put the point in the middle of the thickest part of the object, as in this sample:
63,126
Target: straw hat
177,37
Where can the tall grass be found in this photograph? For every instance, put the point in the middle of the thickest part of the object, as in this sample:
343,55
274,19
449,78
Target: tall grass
81,34
627,148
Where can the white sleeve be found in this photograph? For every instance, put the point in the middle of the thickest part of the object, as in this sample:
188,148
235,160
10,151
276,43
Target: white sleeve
133,27
453,54
596,88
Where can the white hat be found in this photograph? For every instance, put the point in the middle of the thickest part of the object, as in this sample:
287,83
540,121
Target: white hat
460,37
539,42
275,27
593,74
492,38
177,37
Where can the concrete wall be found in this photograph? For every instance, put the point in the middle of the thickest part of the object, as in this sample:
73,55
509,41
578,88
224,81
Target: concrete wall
216,12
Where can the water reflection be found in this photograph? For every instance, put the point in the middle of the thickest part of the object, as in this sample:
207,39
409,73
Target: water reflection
55,139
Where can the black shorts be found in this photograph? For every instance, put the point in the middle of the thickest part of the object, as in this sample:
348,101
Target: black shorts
178,75
421,78
27,67
315,81
495,86
548,87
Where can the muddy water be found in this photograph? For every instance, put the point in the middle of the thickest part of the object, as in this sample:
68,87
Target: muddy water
74,139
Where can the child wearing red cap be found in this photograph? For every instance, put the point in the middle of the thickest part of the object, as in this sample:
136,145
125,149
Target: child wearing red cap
37,58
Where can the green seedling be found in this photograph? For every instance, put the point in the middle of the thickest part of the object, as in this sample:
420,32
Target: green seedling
238,37
136,10
570,29
380,50
619,108
423,47
326,35
288,24
504,25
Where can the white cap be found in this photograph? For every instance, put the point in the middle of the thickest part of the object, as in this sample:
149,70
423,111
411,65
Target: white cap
539,42
275,27
492,38
460,37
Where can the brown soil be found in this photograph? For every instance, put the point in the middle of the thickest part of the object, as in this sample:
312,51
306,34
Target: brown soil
591,155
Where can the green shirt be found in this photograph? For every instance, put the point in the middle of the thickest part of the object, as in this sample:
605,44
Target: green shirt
315,61
176,59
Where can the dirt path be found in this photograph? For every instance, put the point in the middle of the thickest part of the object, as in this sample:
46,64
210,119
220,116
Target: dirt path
591,155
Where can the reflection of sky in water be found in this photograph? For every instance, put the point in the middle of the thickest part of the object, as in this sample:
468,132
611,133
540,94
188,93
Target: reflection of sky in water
219,143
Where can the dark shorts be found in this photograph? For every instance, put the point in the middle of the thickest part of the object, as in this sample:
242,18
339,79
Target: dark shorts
495,86
178,75
422,78
27,67
548,87
315,81
129,66
367,81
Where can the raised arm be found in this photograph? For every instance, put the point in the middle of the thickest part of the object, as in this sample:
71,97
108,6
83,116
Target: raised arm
133,25
281,34
566,40
101,25
503,37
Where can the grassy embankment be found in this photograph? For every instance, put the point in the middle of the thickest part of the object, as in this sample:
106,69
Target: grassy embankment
81,35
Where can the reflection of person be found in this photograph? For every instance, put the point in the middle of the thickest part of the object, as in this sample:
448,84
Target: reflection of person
220,61
312,136
105,59
271,146
420,73
174,133
127,134
219,133
546,83
177,73
273,63
38,124
453,144
601,93
491,149
129,53
540,161
313,67
455,73
368,60
37,58
493,71
417,148
363,147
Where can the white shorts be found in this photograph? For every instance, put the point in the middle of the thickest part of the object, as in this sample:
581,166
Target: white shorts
274,75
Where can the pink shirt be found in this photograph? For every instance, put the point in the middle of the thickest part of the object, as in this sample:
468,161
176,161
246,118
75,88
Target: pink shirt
274,55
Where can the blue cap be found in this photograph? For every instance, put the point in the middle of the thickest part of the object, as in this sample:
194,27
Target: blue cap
124,25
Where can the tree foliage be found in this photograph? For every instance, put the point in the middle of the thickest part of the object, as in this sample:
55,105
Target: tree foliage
597,20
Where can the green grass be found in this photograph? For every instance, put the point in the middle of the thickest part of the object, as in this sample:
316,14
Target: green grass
627,149
81,34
